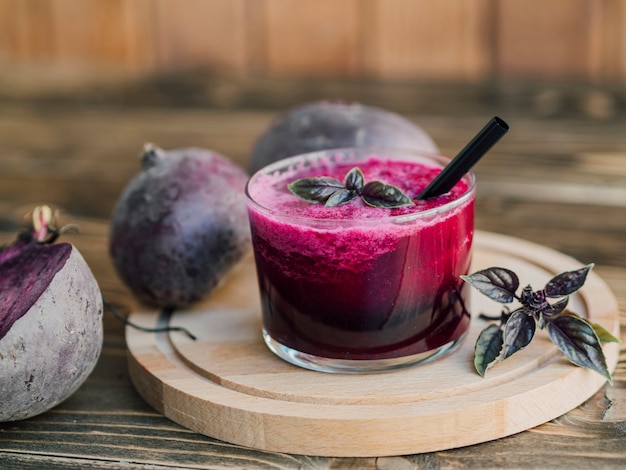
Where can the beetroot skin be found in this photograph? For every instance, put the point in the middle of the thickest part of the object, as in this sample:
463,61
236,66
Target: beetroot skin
50,326
332,124
179,226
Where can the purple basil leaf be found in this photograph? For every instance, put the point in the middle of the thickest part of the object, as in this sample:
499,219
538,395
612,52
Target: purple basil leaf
577,340
339,197
498,284
557,307
354,180
315,190
379,194
567,283
518,332
487,348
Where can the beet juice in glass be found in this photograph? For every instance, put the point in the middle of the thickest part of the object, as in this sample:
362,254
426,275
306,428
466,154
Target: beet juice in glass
353,285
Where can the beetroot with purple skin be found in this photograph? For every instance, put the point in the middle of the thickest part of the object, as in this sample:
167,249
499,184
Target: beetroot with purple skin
333,124
179,226
50,324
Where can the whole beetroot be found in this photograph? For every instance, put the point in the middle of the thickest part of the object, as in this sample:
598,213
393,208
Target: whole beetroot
333,124
179,226
50,322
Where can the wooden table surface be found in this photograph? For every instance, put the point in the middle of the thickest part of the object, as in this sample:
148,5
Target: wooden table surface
558,178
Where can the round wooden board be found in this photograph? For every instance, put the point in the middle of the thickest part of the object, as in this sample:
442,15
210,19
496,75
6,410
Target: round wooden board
229,386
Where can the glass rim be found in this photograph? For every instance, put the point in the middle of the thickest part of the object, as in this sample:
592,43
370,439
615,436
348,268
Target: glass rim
388,152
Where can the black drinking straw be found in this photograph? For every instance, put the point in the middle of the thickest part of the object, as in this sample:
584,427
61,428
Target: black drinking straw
465,160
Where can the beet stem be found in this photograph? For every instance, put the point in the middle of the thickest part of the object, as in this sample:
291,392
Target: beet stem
115,311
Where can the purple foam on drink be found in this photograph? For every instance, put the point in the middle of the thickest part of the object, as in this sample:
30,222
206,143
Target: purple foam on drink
270,190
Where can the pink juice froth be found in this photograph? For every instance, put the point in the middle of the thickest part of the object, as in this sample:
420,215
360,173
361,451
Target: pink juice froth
360,282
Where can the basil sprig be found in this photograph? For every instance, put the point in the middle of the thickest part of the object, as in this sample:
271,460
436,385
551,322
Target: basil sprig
332,192
579,340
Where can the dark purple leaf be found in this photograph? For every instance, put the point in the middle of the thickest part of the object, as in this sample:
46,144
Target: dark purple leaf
534,300
315,190
498,284
339,197
556,307
567,283
487,348
518,332
550,311
577,340
354,180
378,194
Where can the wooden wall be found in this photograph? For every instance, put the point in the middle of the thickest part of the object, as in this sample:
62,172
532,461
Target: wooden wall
389,39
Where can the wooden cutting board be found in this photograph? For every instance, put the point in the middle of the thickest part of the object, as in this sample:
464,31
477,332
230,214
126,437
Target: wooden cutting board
229,386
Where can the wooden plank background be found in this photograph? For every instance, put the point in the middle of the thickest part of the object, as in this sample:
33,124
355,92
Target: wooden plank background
466,40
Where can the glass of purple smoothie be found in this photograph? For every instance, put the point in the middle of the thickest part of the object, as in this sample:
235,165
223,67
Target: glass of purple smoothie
354,288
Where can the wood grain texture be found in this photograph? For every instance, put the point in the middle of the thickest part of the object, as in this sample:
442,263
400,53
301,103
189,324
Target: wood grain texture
228,385
201,34
401,39
548,37
102,31
607,44
449,38
312,38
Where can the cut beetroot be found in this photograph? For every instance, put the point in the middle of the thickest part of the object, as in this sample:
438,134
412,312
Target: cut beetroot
26,270
50,321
